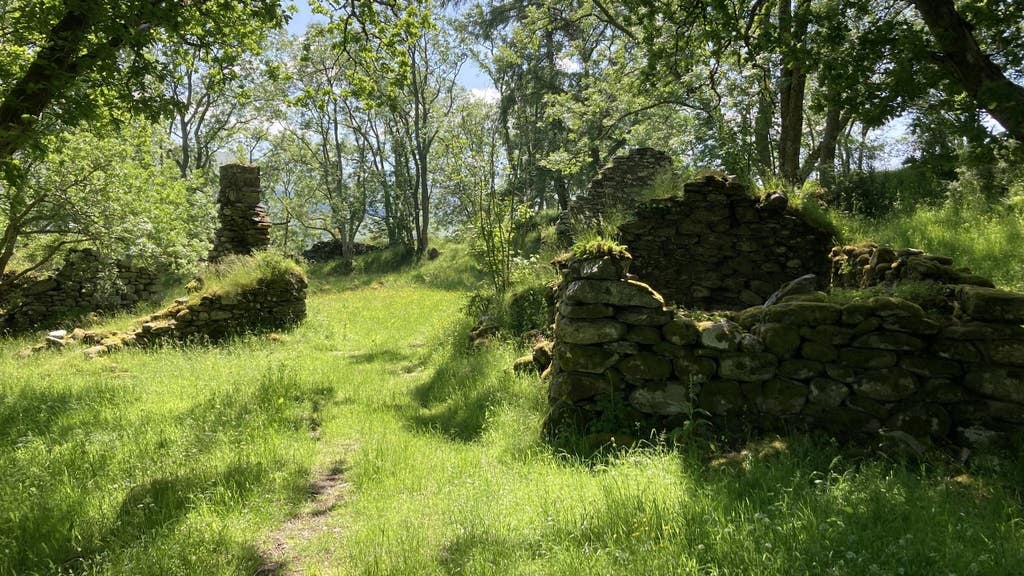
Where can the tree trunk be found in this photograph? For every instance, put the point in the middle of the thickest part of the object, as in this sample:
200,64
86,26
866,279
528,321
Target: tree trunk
53,68
792,85
980,77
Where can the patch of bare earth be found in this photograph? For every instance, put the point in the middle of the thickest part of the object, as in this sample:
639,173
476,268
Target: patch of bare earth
280,554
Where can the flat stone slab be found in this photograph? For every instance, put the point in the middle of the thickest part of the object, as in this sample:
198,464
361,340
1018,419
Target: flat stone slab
992,304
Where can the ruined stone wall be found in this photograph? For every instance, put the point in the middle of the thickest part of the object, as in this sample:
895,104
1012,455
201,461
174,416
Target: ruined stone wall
868,264
856,369
273,303
615,188
244,226
717,247
87,282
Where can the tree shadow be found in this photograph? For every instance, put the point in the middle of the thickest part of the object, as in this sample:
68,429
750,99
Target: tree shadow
56,524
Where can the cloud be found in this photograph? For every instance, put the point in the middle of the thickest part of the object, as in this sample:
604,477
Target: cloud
489,94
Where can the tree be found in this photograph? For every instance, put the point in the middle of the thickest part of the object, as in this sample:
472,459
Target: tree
86,57
981,78
107,189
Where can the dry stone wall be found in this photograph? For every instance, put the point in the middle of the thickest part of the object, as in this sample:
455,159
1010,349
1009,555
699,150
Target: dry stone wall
868,264
273,303
86,282
244,224
615,188
717,247
857,369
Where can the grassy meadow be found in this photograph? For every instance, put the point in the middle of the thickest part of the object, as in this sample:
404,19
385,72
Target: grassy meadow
196,460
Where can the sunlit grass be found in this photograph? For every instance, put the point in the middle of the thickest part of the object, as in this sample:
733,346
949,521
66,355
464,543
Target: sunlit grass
986,240
185,460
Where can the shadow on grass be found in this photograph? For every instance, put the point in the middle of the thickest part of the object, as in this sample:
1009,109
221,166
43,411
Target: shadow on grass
66,468
457,396
385,356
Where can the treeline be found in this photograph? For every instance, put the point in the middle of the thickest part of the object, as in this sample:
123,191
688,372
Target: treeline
114,115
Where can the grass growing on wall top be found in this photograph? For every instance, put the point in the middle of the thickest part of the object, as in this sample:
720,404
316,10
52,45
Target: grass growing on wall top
236,273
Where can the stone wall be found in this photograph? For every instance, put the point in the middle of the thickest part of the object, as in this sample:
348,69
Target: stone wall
882,365
868,264
87,282
615,188
717,247
272,304
244,226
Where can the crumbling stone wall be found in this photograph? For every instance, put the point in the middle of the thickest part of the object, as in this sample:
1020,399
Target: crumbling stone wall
273,303
717,247
868,264
615,188
244,226
856,369
87,282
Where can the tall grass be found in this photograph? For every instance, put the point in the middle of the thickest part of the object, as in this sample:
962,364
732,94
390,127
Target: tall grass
186,460
986,239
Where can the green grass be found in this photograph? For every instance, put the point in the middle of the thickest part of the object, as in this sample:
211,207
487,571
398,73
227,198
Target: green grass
982,239
235,273
186,460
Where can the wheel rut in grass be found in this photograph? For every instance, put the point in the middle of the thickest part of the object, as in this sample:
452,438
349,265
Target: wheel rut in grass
326,492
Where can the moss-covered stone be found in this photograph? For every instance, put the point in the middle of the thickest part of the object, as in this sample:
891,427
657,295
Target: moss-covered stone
681,331
722,397
644,316
645,366
1009,352
896,341
576,358
722,335
800,369
671,400
783,340
781,397
827,334
827,392
574,386
865,358
647,335
889,307
613,292
585,311
803,313
992,305
956,350
818,351
888,385
693,369
921,420
576,331
931,367
1000,383
747,367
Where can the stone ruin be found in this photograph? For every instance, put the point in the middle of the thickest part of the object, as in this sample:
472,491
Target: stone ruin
244,226
711,335
86,282
622,359
273,303
614,189
718,247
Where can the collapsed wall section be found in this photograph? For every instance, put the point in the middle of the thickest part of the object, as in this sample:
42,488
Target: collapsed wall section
86,282
622,359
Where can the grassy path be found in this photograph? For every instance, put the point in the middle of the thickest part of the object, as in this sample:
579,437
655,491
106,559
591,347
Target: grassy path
200,462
